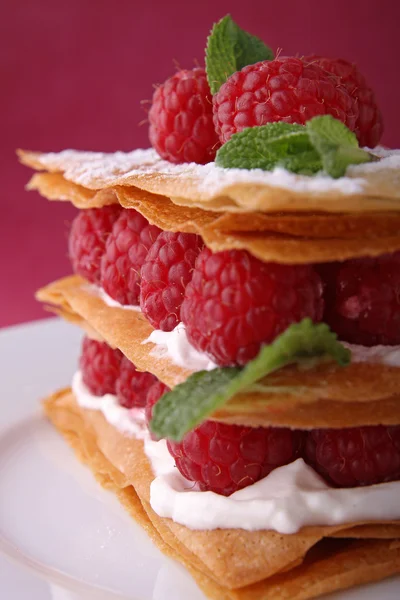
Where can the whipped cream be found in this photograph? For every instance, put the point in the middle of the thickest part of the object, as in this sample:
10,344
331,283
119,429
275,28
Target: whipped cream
385,355
289,498
176,346
129,421
98,291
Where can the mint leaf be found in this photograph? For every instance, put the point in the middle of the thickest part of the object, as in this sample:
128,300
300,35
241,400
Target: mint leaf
269,146
229,49
191,402
336,144
323,143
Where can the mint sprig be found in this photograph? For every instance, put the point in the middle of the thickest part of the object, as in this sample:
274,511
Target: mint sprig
192,401
229,49
267,146
324,143
336,145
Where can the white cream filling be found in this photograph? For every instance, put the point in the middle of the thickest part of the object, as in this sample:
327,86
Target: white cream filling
130,421
289,498
175,346
385,355
98,291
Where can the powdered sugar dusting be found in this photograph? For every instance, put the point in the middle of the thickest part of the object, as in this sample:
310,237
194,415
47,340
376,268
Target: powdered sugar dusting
95,170
390,159
82,167
216,179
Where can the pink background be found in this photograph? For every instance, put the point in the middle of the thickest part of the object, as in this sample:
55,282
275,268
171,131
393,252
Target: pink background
73,74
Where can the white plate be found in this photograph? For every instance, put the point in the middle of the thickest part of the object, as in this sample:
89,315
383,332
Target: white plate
54,519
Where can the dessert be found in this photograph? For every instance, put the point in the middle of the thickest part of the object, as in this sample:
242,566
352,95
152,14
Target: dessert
213,395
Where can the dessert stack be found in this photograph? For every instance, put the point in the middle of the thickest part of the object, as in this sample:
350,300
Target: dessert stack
239,286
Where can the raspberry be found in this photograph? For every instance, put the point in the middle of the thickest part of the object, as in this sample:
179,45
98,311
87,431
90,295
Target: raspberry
235,303
87,239
165,273
100,366
181,120
131,385
369,125
225,458
126,249
284,89
154,393
362,299
355,457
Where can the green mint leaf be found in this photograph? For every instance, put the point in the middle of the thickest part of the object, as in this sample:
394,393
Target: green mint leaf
192,401
229,49
324,143
268,146
336,144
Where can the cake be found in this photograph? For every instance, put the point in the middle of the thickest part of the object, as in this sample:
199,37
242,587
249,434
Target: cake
239,379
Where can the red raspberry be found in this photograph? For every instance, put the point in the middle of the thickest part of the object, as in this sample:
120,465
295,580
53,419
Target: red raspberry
235,303
100,366
355,457
125,252
165,273
154,393
132,385
362,299
87,239
369,125
284,89
225,458
181,120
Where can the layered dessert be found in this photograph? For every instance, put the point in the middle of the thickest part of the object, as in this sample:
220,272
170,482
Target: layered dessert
239,288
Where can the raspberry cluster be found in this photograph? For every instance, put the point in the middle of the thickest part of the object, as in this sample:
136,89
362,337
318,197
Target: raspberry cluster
363,299
188,124
106,371
235,303
225,458
230,302
87,239
134,261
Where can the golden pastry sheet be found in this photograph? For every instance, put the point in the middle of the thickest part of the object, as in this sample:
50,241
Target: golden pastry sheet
312,225
288,250
227,564
328,395
202,186
123,329
285,237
